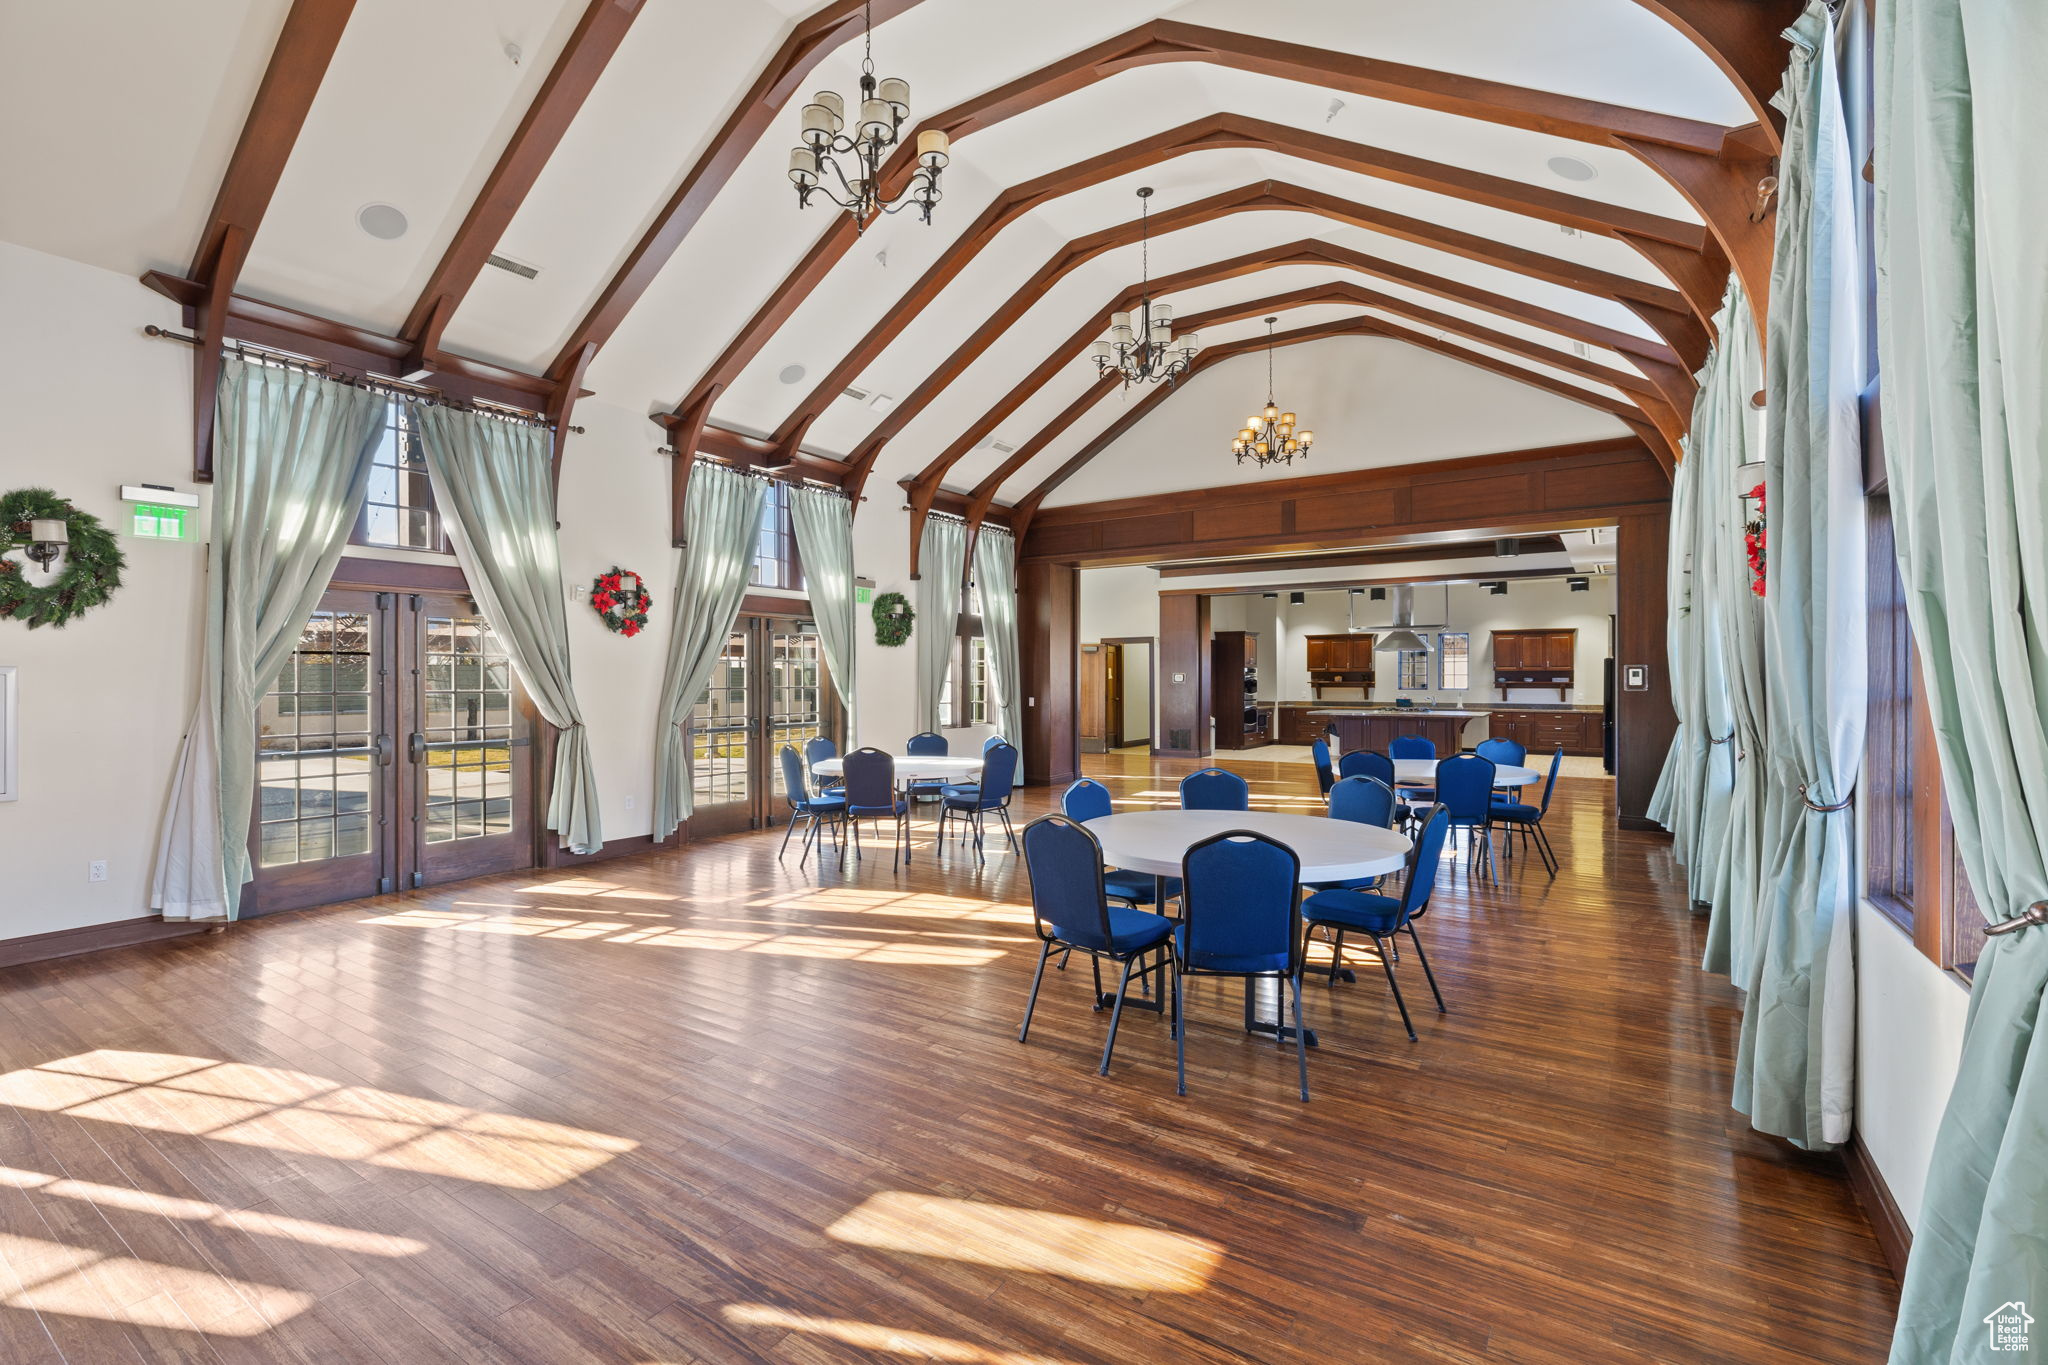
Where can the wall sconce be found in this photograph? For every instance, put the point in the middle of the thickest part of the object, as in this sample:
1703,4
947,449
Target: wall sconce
43,538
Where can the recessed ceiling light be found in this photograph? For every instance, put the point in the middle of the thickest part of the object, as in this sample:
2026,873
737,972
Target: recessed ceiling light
1571,168
382,221
791,374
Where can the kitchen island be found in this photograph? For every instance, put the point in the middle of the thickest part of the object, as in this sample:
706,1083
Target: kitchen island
1359,728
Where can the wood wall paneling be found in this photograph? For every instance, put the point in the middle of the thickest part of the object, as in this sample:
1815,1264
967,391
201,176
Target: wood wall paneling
1184,639
1643,721
1049,641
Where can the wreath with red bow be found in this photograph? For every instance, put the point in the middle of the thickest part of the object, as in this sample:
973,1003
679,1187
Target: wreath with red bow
621,601
1754,540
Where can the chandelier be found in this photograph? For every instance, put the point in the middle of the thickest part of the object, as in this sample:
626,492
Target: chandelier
1269,436
884,109
1146,352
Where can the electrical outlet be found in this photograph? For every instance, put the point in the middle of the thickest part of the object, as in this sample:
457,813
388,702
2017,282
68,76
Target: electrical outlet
96,870
632,801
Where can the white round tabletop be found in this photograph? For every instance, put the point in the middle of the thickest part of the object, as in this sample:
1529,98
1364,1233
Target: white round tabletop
1330,850
1421,772
914,767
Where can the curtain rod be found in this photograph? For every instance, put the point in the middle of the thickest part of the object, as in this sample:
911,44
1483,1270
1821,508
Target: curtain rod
396,388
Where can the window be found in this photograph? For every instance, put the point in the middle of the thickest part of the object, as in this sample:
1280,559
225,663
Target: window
775,560
1453,655
1414,670
1911,869
398,511
960,707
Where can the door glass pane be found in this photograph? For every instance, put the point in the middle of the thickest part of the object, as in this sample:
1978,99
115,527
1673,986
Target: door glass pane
315,762
466,717
718,730
795,688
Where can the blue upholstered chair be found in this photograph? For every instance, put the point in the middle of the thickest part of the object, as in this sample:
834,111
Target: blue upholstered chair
1505,752
1071,913
1240,917
814,811
930,744
1464,791
1326,777
1365,801
871,795
974,800
1413,746
1089,800
816,750
1520,818
1215,789
992,741
1337,913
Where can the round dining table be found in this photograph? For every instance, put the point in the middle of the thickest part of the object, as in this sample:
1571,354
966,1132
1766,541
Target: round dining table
911,768
1154,841
1421,772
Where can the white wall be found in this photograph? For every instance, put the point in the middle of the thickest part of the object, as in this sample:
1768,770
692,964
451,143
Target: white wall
1909,1037
95,404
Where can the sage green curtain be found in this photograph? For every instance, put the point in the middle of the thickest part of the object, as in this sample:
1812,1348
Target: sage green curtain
1726,437
1671,802
1961,204
291,459
995,570
941,568
494,487
720,524
1795,1063
824,542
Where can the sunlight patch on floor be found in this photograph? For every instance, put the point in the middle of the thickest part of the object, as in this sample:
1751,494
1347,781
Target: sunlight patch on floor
131,1200
261,1106
54,1278
1124,1255
873,1336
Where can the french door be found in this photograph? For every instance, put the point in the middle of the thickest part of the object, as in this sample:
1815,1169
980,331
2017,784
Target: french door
769,689
395,749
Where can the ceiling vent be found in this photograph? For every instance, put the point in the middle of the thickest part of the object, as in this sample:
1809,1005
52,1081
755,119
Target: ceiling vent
857,395
1002,448
519,268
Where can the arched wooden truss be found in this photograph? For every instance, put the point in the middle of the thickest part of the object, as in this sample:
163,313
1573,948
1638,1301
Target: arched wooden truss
1716,169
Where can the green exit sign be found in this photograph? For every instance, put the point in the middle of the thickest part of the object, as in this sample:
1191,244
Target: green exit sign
153,521
863,595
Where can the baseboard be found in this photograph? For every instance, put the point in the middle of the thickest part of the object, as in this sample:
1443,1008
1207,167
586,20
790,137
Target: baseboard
554,855
1051,779
91,938
1639,822
1894,1235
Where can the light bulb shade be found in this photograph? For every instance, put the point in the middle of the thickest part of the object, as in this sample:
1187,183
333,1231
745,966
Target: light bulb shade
1253,422
1304,437
1286,419
830,99
896,92
1161,313
1261,447
49,531
1121,334
803,167
877,121
1246,435
934,148
820,122
1101,350
1122,320
1191,343
1271,412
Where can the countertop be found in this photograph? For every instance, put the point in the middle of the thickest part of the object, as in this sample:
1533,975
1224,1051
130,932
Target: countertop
1478,708
1389,711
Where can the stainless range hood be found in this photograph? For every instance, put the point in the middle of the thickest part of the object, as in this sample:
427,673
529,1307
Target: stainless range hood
1402,638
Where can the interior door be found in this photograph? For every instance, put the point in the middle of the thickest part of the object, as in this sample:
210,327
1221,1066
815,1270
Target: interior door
325,808
1113,696
469,750
722,748
1094,687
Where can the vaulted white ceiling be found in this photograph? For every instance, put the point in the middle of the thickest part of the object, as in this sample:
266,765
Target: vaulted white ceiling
135,107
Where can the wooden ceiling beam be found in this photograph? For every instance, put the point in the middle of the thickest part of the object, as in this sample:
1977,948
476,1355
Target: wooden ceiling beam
569,82
752,114
1369,556
1662,369
1664,308
1221,131
1745,38
298,64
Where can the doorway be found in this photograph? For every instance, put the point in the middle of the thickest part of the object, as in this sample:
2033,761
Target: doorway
394,749
769,688
1116,694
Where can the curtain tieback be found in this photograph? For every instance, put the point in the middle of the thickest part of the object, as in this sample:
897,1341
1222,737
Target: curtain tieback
1728,738
2037,913
1817,809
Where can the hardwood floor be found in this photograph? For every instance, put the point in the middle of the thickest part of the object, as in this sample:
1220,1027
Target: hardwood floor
706,1106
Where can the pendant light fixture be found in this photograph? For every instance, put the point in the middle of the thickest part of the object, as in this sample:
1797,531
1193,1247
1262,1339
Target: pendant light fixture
1141,347
1269,436
884,109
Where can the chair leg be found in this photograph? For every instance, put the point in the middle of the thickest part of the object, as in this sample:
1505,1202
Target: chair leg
1095,966
854,822
1009,830
1387,962
1423,958
1336,955
1116,1014
1044,952
810,837
1300,1036
1180,1035
787,829
1543,847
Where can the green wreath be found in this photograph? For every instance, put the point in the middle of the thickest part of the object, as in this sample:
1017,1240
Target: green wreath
92,561
893,616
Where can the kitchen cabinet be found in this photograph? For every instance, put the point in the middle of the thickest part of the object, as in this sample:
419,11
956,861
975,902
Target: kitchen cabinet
1540,732
1535,658
1339,661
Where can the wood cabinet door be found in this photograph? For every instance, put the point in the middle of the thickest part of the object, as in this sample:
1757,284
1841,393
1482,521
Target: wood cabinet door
1507,650
1560,649
1319,655
1360,650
